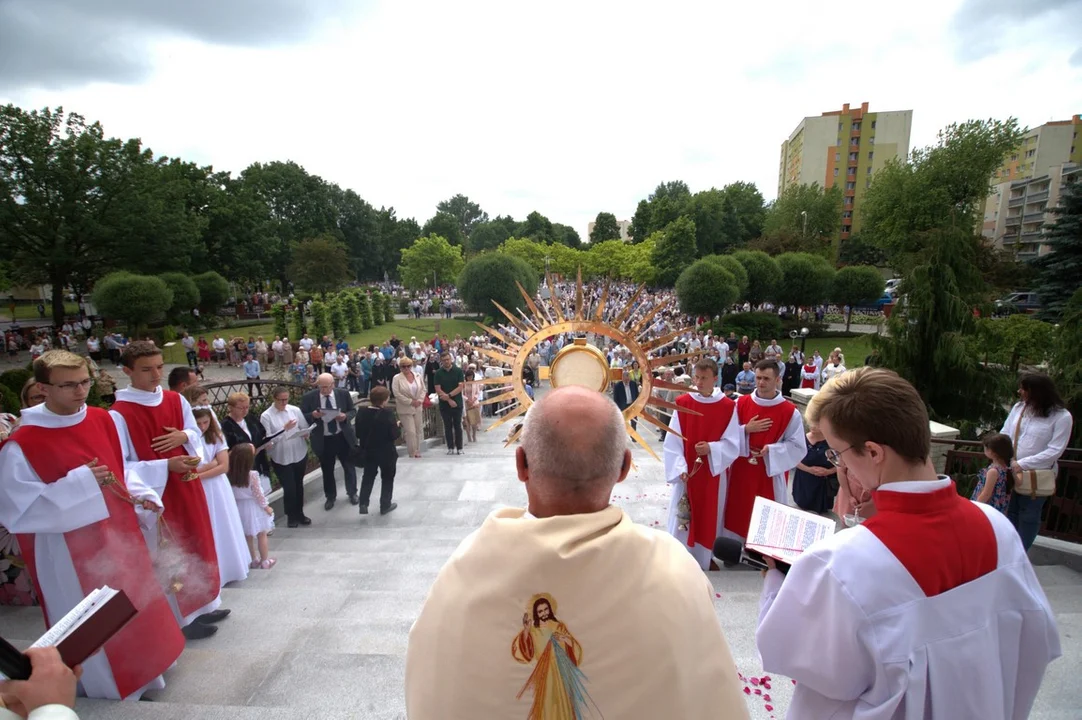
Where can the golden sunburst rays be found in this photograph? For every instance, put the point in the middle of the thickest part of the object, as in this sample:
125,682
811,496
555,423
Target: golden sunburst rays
628,322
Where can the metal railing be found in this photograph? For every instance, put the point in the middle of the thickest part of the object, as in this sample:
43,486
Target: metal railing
1061,516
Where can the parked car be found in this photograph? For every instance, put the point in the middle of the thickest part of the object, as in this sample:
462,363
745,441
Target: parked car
1023,301
886,299
892,285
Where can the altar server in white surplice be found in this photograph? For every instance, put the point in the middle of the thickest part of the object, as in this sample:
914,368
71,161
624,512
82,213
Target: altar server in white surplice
930,608
568,609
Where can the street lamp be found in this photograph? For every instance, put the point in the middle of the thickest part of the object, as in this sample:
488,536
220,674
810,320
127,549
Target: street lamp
803,335
804,215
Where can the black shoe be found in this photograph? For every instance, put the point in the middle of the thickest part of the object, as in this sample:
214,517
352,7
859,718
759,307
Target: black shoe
305,520
198,631
213,617
293,524
329,504
353,500
364,510
389,508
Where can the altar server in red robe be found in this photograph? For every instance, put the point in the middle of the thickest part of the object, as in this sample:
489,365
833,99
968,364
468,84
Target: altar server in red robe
930,608
697,466
76,509
154,424
773,444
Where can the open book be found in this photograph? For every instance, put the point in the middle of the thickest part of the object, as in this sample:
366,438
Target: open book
77,635
783,532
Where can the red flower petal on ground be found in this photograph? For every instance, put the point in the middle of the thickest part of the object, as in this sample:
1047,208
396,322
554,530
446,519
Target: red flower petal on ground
758,691
755,681
769,708
746,690
717,594
766,698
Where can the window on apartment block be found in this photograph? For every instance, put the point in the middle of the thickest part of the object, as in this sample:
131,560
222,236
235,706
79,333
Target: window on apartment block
873,124
856,126
871,155
850,186
837,157
869,171
867,183
853,157
835,172
1030,153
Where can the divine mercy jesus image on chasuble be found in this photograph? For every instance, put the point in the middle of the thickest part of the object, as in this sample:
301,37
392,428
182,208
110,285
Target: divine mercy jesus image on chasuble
557,682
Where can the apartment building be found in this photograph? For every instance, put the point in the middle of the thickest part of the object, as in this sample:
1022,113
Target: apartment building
1021,208
844,147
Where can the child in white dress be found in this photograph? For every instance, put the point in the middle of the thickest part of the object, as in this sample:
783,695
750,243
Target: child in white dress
256,516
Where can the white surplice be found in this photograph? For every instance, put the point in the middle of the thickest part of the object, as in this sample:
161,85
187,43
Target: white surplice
781,457
863,641
45,712
160,477
616,644
721,456
229,542
47,511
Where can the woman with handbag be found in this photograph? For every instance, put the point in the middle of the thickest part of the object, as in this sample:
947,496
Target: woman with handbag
377,431
1039,427
409,398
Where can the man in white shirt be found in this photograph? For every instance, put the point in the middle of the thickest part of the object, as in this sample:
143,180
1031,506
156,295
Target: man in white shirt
306,343
219,349
890,619
340,370
49,694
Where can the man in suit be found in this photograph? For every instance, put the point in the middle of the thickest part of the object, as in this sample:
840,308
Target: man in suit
625,393
331,409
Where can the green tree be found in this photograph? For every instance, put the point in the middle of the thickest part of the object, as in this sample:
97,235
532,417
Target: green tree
351,311
446,226
299,325
856,286
378,316
605,228
707,210
278,312
749,208
321,320
430,257
855,250
820,207
940,187
364,308
927,340
1059,271
640,262
337,316
64,189
1067,360
806,280
566,235
134,299
213,292
491,279
185,295
667,203
674,250
1014,340
466,213
706,288
489,235
736,269
764,275
320,265
608,259
388,309
537,227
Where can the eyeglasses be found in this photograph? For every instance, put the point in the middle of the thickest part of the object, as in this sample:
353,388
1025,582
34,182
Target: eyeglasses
835,456
69,386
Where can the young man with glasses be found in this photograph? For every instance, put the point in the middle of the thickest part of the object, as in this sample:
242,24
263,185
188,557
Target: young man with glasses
929,608
77,509
772,436
156,424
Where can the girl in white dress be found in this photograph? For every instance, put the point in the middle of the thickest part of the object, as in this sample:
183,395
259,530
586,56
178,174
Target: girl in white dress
229,542
256,515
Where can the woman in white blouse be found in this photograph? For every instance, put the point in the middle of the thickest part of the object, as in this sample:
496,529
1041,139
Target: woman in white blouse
1040,427
289,453
409,395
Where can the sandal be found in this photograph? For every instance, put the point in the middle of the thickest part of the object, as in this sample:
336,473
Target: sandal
268,563
254,565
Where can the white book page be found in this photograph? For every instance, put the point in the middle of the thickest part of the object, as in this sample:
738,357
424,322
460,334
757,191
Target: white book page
783,532
75,617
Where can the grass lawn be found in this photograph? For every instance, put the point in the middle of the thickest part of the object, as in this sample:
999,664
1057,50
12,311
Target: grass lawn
424,329
855,349
30,312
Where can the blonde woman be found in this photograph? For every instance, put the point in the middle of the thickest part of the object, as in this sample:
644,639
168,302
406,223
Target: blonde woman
409,396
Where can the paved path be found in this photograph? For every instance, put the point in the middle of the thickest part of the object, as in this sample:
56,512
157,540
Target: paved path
323,635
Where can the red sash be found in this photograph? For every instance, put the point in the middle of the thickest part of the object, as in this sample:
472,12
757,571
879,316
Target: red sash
808,382
186,512
746,481
109,552
702,487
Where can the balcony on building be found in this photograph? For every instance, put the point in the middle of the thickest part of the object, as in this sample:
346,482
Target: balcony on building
1037,196
1016,201
1033,217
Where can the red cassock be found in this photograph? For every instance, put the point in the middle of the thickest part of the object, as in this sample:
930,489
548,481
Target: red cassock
809,382
747,480
109,552
186,513
702,487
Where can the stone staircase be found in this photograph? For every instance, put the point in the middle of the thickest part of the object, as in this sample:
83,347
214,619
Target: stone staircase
323,634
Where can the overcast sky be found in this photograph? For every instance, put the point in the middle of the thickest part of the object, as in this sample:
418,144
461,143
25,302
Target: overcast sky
568,108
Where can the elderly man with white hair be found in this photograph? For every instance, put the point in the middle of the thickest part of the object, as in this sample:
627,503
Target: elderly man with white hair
536,614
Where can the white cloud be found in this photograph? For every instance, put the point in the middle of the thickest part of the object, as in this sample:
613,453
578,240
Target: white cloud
568,108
